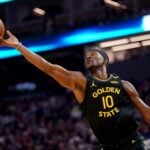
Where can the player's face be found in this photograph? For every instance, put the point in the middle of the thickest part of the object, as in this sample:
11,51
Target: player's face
93,59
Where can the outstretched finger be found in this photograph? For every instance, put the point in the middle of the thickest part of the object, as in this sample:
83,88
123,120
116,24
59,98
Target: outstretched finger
9,33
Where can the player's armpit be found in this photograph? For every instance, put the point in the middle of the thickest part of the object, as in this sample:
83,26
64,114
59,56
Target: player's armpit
79,86
142,107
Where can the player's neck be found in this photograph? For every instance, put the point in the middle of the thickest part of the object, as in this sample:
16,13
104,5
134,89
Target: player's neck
101,73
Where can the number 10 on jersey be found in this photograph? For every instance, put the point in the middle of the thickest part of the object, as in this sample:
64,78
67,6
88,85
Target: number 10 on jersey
107,101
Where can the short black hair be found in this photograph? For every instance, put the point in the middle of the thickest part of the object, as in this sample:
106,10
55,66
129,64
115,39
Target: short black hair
99,50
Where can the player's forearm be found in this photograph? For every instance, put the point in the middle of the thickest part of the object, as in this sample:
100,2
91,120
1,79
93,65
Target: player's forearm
34,58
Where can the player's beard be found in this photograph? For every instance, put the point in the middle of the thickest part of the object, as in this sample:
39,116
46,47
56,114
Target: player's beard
93,68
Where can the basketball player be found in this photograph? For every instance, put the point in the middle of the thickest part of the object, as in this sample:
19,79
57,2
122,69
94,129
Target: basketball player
106,100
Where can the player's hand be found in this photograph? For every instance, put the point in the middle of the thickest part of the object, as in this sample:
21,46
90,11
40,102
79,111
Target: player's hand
11,41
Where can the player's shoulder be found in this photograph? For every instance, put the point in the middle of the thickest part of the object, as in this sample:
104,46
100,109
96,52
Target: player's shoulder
129,87
78,73
126,83
78,77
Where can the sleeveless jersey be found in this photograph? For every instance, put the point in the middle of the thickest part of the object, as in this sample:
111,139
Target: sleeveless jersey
108,109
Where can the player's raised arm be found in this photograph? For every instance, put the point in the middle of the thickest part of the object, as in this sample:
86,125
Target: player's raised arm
73,80
143,108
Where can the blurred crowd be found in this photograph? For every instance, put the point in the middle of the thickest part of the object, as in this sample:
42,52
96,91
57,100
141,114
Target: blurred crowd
47,121
44,123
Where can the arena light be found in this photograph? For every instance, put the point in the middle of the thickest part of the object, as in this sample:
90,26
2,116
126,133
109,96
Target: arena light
38,11
126,47
146,23
99,34
145,43
140,38
115,4
5,1
113,43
